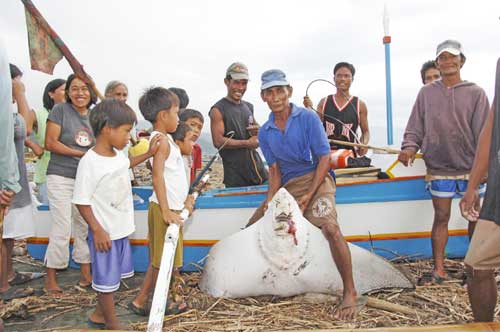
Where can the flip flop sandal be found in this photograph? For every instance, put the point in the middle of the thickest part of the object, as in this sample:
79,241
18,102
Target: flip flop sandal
82,285
24,277
16,293
138,310
96,325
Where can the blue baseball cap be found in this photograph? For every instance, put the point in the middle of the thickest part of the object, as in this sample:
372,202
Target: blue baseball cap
273,77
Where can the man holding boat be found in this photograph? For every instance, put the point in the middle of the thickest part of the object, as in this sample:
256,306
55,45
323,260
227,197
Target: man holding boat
445,124
342,115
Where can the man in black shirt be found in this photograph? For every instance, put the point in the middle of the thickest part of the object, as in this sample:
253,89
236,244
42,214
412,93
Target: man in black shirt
243,166
483,255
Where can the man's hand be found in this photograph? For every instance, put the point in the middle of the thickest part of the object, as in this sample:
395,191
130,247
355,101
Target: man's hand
6,197
253,130
407,157
308,102
154,144
304,201
468,205
253,142
172,218
362,151
102,241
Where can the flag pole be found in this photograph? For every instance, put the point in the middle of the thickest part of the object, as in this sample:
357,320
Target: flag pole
388,88
73,62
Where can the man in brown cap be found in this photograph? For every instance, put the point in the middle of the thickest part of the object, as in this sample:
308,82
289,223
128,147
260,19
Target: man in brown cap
243,166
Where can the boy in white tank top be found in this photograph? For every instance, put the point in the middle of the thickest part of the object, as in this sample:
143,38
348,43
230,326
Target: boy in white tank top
170,188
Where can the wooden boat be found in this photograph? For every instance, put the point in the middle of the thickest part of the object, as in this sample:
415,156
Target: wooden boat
393,217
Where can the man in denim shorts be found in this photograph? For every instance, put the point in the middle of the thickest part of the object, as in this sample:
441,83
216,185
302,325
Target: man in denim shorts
445,124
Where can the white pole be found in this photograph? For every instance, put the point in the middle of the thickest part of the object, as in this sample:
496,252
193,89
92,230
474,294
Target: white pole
155,322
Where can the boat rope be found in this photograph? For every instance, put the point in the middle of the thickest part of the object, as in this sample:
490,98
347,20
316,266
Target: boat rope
349,101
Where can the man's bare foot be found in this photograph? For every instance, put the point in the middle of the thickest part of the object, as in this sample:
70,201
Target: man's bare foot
350,306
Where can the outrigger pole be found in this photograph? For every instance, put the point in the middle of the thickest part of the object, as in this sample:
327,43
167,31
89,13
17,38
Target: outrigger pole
388,89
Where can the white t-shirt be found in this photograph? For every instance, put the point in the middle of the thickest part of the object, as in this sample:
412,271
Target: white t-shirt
174,174
187,167
104,184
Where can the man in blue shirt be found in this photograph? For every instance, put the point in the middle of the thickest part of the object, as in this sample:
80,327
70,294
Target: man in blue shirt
298,154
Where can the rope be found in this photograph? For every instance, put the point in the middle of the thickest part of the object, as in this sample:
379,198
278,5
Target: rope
349,101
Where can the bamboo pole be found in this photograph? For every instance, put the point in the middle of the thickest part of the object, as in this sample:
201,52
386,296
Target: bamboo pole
365,146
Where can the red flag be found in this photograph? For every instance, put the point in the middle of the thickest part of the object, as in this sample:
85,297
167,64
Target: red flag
47,48
44,54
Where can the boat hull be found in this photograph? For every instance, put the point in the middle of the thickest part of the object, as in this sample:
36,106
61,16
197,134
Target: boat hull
391,217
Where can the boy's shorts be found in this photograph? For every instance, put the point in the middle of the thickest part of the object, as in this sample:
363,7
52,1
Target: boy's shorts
156,234
484,251
447,188
108,268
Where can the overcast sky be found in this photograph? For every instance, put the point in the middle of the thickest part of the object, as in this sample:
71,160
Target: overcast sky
189,44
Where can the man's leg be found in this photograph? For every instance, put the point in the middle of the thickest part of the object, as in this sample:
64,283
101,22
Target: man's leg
342,258
482,290
9,245
442,209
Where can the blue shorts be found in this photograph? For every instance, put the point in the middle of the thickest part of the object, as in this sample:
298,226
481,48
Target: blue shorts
448,188
108,268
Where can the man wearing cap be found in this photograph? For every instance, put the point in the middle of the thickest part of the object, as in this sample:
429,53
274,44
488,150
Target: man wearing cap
298,154
483,256
445,124
242,164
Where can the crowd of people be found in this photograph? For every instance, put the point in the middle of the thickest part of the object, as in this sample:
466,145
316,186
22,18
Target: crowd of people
83,171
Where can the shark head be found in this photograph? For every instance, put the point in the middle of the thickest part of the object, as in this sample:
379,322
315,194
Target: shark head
283,232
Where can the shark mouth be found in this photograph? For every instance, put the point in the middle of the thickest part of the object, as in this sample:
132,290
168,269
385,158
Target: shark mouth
292,230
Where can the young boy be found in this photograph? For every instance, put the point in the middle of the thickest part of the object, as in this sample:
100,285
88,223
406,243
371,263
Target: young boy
103,196
183,137
195,120
170,187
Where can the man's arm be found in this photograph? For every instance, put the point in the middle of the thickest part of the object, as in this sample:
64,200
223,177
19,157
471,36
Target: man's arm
479,169
274,181
159,185
414,132
9,174
320,110
217,129
52,143
363,124
19,92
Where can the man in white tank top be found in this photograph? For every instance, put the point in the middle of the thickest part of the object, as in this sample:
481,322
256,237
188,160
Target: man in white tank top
170,187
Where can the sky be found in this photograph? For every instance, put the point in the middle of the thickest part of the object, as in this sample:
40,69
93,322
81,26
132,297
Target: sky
190,44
